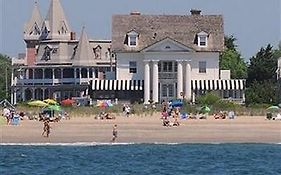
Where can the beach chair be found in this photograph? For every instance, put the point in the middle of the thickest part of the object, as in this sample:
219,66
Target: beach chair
184,116
16,120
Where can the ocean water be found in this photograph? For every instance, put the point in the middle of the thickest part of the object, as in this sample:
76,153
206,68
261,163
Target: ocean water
146,159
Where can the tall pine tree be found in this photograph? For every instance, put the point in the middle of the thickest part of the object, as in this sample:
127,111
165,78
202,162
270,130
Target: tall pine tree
262,81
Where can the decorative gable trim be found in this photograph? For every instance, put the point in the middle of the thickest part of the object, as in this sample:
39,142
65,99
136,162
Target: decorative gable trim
167,45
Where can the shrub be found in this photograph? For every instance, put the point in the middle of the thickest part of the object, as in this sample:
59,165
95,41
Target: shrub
208,99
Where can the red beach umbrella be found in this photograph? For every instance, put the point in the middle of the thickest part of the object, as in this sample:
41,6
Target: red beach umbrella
67,102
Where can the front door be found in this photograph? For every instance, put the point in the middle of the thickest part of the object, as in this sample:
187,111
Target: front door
167,91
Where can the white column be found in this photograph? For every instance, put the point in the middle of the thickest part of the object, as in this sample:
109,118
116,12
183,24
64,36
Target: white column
53,76
88,73
15,96
43,78
13,78
155,81
61,73
27,74
75,78
80,75
33,74
146,82
180,80
188,81
23,94
93,73
43,94
33,93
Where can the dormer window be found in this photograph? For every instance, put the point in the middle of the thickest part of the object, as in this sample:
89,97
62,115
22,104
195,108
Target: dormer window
132,39
202,39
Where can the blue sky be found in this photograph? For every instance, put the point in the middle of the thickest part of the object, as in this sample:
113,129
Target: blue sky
254,23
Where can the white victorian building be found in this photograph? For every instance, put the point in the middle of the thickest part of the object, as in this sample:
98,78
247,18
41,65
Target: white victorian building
163,57
56,64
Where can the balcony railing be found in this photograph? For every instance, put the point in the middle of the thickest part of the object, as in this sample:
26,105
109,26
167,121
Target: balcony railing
51,81
167,75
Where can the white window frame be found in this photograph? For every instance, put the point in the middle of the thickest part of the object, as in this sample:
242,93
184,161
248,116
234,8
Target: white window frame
132,35
202,37
133,69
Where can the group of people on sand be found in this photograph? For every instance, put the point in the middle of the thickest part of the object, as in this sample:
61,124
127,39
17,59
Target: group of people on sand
12,116
168,113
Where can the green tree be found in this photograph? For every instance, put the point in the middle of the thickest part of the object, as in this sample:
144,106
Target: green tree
5,69
262,81
231,59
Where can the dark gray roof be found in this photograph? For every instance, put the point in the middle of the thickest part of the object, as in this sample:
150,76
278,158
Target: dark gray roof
153,28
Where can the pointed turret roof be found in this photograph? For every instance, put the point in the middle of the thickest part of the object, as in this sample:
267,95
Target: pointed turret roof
84,53
33,26
57,24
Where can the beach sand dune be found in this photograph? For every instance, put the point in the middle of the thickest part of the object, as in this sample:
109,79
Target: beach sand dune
149,129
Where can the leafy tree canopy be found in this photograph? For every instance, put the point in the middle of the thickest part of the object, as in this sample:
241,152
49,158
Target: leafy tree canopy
5,66
231,59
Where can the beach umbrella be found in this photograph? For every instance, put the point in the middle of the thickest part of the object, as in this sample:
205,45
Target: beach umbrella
273,109
54,107
50,101
37,103
67,102
205,109
176,103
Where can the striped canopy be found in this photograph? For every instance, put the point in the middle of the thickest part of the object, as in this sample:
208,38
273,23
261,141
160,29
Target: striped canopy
138,85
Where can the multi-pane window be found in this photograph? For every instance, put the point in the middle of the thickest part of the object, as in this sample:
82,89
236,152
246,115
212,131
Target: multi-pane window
202,66
133,41
202,41
167,66
133,67
171,90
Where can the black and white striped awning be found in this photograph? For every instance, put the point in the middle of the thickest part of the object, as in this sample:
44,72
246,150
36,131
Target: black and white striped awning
117,85
237,84
138,85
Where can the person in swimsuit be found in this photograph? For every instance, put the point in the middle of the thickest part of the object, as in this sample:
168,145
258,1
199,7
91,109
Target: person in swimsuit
114,133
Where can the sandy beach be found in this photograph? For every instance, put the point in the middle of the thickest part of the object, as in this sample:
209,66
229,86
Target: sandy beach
149,129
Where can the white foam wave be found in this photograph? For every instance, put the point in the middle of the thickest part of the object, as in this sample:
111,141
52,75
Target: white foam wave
64,144
102,144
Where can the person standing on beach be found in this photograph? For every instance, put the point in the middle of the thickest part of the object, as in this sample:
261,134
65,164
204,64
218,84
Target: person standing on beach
114,133
46,128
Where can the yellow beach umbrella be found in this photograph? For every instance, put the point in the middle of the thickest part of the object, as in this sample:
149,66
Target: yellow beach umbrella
50,101
37,103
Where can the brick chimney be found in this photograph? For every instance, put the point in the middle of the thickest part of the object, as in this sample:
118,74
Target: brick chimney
135,13
195,12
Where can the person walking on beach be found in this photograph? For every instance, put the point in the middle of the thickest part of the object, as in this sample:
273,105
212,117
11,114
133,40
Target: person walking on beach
127,110
46,128
114,133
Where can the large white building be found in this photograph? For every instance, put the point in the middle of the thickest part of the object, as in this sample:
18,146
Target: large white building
150,58
163,57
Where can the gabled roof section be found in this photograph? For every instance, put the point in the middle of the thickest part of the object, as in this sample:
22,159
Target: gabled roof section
202,33
154,28
132,33
58,25
33,26
84,53
167,45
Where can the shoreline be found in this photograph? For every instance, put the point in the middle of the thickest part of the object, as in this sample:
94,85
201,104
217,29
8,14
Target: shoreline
145,130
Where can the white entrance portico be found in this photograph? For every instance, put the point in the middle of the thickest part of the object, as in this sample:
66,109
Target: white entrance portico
170,79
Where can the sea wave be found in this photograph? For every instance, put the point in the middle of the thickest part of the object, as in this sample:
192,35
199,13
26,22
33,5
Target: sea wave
112,144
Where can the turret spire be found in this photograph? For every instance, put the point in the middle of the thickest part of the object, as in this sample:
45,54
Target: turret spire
32,28
56,22
84,54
